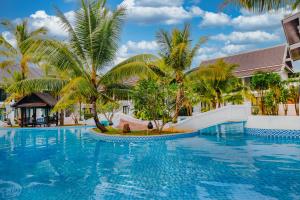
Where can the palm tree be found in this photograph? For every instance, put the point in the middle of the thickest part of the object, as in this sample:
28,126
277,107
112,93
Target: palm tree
16,54
264,5
177,53
92,46
217,84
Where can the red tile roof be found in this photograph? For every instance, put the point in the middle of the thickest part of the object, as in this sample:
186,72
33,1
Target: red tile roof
270,59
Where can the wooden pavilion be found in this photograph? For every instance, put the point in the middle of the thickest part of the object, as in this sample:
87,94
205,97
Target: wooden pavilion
35,109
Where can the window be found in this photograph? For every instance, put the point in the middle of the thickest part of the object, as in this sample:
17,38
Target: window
2,95
126,110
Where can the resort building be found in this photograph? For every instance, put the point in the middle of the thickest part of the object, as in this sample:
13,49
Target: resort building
291,29
274,59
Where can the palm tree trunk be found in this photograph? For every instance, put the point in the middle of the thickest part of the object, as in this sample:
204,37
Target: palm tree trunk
61,118
179,96
96,119
24,67
285,107
94,103
297,107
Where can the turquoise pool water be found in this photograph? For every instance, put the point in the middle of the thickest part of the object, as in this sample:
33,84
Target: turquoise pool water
70,164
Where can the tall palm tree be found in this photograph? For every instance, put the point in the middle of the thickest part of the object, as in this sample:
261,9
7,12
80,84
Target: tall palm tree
264,5
16,54
92,46
177,52
175,58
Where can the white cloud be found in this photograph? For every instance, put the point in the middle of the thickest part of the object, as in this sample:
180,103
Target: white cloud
142,45
166,12
251,21
235,48
247,20
246,37
206,56
158,3
207,50
213,52
52,23
131,48
9,38
215,19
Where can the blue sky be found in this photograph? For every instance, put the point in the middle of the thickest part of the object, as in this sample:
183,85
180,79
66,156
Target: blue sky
230,30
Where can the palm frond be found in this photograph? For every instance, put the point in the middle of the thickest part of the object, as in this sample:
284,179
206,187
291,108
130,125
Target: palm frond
74,41
7,63
105,45
38,32
261,6
37,85
81,86
57,54
7,45
126,71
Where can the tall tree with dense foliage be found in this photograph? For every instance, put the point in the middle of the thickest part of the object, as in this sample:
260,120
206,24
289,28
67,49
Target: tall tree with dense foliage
16,54
92,46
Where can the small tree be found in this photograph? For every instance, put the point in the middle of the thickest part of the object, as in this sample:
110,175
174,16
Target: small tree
155,101
262,83
284,97
108,109
294,96
270,103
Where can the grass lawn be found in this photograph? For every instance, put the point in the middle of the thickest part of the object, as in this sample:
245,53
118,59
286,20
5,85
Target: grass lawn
114,131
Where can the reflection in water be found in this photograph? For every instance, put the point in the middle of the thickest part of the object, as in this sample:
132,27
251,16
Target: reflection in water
222,163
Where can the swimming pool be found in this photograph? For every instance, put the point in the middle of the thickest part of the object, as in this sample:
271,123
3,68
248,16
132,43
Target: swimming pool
70,164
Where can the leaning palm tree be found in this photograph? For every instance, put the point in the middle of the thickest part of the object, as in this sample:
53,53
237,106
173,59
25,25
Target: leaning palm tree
15,54
264,5
92,46
177,53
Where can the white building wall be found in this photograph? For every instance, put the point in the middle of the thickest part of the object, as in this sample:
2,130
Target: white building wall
283,74
274,122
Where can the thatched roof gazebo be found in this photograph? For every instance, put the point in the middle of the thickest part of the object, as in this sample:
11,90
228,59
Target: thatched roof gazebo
35,109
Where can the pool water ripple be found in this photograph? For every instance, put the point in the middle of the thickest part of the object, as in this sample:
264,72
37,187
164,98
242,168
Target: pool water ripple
71,164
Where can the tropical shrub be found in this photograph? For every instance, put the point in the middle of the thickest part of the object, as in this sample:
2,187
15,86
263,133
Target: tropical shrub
108,109
262,83
294,96
155,101
284,98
